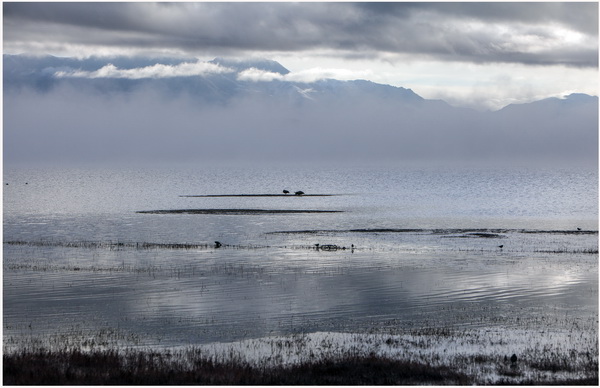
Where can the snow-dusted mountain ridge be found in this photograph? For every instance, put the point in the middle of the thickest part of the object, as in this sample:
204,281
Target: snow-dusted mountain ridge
216,84
215,81
261,64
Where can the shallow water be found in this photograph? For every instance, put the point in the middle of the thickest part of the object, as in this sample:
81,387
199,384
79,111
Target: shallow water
426,251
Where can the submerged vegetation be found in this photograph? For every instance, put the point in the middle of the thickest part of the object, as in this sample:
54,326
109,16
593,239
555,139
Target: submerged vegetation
115,245
491,234
112,245
472,232
587,251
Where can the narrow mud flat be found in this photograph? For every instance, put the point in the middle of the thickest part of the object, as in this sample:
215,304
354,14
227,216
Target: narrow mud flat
259,195
235,211
489,233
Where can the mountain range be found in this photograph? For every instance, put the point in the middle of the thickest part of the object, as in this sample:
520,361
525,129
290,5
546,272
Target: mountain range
40,73
260,105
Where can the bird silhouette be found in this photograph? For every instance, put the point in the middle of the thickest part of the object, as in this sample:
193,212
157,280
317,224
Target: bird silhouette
578,228
286,192
500,246
513,358
299,193
218,244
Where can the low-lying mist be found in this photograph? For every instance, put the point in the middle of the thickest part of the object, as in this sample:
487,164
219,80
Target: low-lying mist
69,125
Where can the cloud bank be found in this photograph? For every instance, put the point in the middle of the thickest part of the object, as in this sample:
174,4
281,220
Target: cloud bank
482,55
304,76
529,33
158,70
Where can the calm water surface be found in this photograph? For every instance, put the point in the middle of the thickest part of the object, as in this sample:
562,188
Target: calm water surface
426,251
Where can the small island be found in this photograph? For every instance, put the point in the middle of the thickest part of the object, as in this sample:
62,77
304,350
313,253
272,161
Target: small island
259,195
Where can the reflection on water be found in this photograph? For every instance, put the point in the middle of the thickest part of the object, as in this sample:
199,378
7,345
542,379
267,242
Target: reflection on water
180,296
79,260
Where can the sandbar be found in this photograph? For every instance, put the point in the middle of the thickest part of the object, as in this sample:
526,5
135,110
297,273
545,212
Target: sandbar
237,211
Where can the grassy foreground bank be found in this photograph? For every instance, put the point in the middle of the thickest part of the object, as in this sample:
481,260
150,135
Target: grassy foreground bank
424,357
146,368
139,368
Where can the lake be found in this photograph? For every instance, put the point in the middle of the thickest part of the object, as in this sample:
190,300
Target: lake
407,247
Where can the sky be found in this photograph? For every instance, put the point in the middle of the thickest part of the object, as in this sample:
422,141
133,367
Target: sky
481,55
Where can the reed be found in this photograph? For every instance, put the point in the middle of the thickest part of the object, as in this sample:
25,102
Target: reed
438,356
153,368
585,251
120,245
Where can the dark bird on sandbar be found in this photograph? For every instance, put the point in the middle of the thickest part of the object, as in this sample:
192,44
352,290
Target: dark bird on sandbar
286,192
218,244
513,358
299,193
578,228
500,246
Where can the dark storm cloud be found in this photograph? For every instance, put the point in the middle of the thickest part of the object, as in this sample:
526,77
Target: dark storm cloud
582,17
531,33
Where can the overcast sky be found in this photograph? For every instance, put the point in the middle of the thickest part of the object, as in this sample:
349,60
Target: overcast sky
483,55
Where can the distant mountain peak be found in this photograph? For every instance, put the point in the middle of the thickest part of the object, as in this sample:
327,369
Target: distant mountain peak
580,97
257,63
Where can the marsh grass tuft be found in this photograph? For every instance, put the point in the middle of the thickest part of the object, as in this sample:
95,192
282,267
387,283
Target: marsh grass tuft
586,251
120,245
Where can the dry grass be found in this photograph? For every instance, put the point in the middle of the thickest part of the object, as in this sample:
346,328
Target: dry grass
149,368
305,359
153,368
